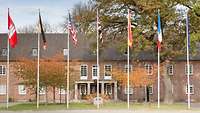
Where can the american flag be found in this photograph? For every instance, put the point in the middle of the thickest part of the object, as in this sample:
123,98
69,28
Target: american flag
99,29
72,31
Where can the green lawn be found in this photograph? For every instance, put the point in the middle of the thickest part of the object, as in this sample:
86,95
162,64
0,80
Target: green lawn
110,105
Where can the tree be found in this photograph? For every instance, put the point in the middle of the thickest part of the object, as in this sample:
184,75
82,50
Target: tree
144,21
52,73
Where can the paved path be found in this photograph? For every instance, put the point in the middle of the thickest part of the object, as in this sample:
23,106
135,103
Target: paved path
105,111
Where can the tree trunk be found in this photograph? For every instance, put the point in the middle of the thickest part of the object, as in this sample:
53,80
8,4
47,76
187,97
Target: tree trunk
168,95
54,94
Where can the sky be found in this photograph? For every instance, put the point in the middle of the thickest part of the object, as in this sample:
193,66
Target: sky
25,12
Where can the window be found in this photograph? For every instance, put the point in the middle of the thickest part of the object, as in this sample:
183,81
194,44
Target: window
34,52
61,91
170,70
107,71
150,90
191,89
82,89
108,89
190,68
42,91
65,52
21,90
2,69
94,71
4,52
126,68
130,90
84,71
2,89
149,69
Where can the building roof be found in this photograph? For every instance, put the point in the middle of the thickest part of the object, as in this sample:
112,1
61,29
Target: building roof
57,42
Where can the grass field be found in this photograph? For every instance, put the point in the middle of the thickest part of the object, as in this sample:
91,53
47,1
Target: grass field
86,106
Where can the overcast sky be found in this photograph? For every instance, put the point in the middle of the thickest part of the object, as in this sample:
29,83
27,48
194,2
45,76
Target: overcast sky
25,12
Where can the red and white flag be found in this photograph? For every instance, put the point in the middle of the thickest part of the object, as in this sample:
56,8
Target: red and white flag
12,33
72,31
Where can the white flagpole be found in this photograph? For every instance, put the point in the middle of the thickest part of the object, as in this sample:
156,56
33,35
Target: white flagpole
128,85
97,60
8,72
158,77
68,66
38,66
188,63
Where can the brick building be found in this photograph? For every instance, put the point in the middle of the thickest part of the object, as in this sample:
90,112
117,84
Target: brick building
83,61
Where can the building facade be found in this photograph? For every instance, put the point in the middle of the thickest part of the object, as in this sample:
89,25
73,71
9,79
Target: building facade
83,62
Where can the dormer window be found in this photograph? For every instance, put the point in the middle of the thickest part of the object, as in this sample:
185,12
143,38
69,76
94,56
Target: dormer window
4,52
65,52
34,52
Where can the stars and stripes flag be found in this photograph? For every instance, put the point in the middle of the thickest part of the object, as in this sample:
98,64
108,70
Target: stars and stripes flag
159,32
12,33
42,32
99,29
130,40
72,31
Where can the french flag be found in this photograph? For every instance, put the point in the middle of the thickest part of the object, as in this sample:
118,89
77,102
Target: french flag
159,32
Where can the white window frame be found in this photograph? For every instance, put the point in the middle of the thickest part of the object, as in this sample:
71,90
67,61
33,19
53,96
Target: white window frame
147,68
65,52
170,69
93,68
130,90
126,68
3,67
151,90
84,77
34,52
42,91
85,89
107,91
191,70
21,90
4,52
108,77
2,89
191,91
61,91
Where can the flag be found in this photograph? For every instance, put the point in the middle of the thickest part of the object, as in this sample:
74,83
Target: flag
130,40
72,31
159,32
187,28
12,33
42,32
99,29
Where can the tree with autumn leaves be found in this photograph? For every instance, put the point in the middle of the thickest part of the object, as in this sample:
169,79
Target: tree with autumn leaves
52,74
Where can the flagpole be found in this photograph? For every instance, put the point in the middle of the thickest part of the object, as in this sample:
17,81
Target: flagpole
38,66
158,77
188,62
97,60
8,71
128,63
68,67
128,84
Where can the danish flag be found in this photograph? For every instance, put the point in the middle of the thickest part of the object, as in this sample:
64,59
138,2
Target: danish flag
12,33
